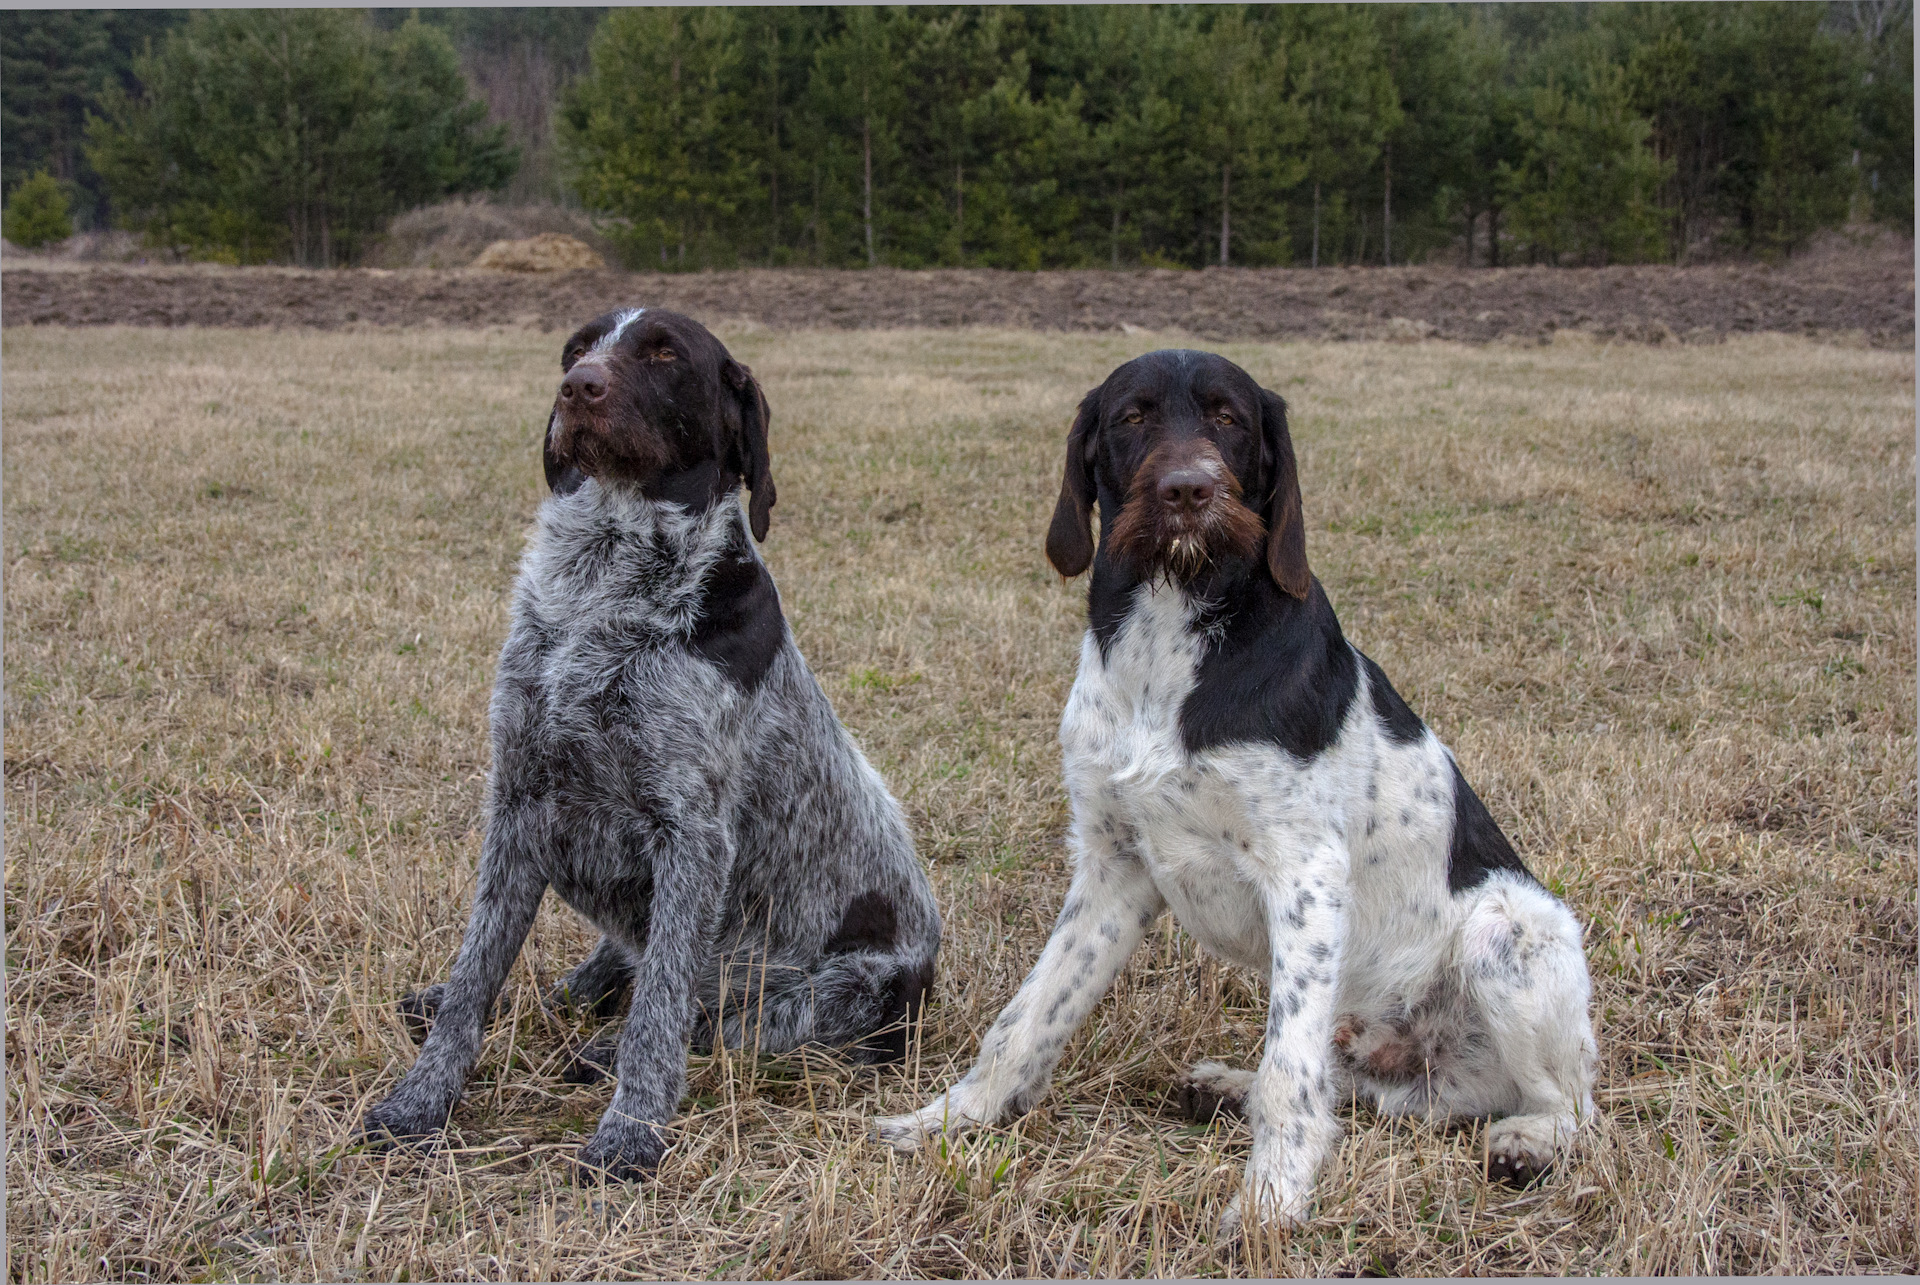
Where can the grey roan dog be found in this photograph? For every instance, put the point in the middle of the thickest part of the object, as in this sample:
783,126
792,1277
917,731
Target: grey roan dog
666,762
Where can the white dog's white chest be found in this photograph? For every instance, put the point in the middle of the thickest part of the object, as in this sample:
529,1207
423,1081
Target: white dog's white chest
1190,818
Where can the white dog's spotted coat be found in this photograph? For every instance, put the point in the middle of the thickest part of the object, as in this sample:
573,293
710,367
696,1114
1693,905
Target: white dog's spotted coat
1329,874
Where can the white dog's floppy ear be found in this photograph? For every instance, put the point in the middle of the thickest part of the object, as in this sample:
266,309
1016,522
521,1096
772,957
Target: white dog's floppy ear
755,466
1070,537
1286,525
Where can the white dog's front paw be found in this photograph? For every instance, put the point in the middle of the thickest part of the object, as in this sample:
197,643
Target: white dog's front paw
940,1118
1226,1236
1267,1203
1272,1215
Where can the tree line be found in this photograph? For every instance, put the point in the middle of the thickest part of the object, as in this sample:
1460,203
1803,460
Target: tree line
1190,135
1017,137
266,135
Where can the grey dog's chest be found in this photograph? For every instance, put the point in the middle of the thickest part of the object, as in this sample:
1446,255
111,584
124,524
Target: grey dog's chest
624,716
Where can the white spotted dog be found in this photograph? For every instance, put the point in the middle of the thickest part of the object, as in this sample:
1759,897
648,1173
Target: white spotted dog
665,761
1231,757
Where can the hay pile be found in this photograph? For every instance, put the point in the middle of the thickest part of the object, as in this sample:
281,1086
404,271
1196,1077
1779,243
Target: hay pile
548,252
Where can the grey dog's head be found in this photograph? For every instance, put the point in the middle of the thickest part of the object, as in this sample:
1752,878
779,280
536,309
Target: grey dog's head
650,398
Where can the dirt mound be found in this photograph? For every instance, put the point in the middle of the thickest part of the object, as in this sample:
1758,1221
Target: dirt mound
450,234
1866,295
548,252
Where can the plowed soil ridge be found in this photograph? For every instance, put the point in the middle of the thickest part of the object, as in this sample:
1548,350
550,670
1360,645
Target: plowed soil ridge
1866,296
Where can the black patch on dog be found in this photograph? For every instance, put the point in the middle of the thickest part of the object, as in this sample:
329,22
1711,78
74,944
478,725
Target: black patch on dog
1109,599
901,1001
1402,724
1479,848
870,923
1279,671
739,627
694,489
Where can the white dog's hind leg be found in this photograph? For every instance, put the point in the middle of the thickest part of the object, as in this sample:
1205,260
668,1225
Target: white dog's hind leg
1210,1089
1526,972
1109,906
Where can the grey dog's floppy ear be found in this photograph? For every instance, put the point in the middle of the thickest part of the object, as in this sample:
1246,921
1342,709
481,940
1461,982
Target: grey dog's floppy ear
754,465
1070,537
1286,526
562,479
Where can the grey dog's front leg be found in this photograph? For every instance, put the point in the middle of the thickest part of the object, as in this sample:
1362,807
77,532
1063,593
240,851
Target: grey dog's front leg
690,885
505,901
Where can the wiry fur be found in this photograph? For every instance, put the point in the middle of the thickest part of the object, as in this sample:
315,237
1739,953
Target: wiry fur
666,762
1231,757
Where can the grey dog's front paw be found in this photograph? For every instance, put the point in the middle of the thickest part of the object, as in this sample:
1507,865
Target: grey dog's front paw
620,1152
396,1123
417,1010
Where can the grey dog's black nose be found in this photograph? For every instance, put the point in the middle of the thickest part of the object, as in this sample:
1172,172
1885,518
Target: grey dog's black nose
584,384
1187,488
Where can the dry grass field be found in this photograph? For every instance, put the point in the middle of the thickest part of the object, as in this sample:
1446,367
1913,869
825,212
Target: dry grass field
1659,600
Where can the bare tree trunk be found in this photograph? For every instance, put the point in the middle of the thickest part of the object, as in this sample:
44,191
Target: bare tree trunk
959,213
866,160
773,166
1315,261
818,258
1116,229
1386,209
1471,216
1493,236
1226,226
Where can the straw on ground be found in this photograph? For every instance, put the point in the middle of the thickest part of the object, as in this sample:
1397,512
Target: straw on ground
1660,602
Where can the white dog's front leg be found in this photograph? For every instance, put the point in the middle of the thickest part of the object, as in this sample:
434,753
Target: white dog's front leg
1291,1104
1109,907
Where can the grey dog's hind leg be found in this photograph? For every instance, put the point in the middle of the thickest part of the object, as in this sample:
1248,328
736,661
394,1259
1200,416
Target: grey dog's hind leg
593,1060
598,984
595,988
860,1002
417,1010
